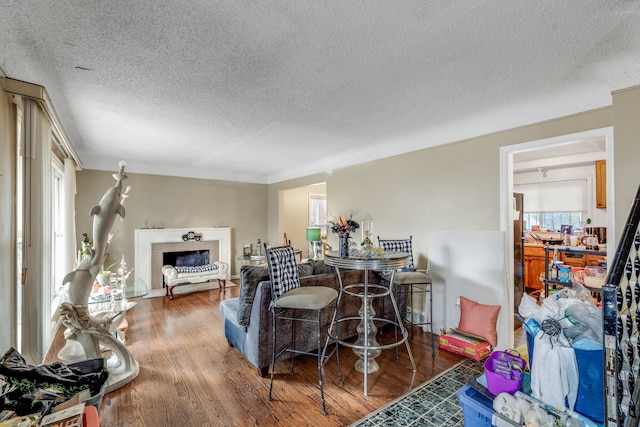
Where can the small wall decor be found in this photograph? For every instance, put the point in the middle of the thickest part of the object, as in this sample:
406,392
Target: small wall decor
192,236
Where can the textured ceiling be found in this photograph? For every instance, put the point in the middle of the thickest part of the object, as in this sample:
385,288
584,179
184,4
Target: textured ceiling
262,91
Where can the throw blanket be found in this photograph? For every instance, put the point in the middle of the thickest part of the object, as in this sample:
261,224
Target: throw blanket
197,269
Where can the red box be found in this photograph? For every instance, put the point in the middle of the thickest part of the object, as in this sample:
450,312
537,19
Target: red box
474,348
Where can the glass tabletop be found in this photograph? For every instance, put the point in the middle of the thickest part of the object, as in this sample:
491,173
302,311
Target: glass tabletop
136,288
382,261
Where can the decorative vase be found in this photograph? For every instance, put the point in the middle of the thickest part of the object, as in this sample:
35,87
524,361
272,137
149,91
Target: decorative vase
344,245
104,278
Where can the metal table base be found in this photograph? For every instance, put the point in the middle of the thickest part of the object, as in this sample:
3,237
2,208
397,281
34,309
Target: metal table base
366,346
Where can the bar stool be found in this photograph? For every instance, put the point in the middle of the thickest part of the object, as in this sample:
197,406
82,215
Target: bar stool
418,283
288,299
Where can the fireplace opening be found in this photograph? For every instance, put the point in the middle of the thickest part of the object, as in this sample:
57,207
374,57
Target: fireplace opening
186,258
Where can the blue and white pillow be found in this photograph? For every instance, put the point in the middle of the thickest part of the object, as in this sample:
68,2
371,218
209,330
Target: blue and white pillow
283,270
402,245
197,268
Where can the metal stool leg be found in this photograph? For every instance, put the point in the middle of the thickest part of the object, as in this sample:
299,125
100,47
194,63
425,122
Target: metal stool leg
399,318
412,309
320,363
335,314
293,341
433,346
273,352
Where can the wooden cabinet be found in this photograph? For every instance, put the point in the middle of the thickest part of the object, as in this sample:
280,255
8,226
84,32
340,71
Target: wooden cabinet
572,259
601,184
580,259
595,260
533,266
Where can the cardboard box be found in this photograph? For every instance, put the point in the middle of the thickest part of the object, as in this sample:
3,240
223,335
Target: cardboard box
69,417
456,342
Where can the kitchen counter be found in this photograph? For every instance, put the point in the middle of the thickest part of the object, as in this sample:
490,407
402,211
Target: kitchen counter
580,248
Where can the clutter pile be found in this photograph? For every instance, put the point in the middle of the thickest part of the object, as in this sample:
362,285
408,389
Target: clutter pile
28,393
564,383
564,337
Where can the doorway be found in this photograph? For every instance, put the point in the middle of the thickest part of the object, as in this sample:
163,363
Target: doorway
546,154
298,211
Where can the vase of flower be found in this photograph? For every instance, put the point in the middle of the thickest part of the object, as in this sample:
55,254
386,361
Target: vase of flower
342,227
344,245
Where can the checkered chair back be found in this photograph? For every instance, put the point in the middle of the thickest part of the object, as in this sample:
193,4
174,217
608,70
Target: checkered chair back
399,245
283,270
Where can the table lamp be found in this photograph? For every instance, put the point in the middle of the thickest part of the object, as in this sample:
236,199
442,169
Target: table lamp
313,237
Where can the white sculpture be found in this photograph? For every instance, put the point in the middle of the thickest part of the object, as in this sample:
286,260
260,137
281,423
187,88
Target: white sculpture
94,333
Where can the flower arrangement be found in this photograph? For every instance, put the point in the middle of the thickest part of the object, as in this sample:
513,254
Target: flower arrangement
343,227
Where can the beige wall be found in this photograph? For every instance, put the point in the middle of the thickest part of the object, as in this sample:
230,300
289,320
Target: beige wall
450,187
626,132
176,203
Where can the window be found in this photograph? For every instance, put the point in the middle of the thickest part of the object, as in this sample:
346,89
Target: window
317,209
57,234
553,220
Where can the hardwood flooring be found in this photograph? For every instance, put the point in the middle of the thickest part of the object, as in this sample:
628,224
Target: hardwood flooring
190,376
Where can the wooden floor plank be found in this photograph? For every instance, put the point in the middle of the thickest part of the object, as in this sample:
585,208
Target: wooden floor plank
190,376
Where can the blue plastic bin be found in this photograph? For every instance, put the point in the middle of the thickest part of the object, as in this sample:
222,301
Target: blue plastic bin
477,408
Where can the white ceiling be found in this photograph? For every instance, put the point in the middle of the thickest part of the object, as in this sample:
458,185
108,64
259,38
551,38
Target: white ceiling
561,155
262,91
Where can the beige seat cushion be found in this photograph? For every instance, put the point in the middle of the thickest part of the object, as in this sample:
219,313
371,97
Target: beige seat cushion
307,297
409,277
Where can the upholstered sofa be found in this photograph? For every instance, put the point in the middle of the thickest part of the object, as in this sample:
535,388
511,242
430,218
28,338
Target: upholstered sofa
175,276
248,323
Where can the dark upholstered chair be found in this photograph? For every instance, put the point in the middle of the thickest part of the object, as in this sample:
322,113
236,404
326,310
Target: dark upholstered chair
290,302
418,282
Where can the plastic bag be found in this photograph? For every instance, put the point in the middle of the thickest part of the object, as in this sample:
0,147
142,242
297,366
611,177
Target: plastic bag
576,292
580,319
586,322
528,307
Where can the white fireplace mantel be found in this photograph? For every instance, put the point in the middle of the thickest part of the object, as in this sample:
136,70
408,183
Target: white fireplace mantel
144,238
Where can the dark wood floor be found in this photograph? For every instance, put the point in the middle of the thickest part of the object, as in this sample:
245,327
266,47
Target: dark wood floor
190,376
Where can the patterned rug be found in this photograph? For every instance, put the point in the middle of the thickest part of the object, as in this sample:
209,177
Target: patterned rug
434,403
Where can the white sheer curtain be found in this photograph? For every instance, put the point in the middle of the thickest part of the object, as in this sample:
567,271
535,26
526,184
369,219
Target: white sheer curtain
35,333
70,214
10,126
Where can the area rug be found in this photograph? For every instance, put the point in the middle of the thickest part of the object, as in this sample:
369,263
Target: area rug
434,403
185,289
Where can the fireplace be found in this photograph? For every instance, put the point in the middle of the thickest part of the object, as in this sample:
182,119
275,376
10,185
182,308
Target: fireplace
186,258
152,244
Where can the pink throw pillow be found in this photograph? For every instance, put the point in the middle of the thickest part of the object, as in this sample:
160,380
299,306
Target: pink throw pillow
479,319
